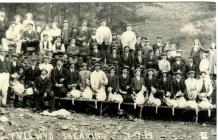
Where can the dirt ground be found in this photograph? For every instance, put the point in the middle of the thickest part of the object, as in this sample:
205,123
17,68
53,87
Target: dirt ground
26,125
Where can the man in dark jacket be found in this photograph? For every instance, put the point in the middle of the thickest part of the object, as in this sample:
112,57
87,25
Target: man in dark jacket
43,92
178,84
191,66
113,80
59,79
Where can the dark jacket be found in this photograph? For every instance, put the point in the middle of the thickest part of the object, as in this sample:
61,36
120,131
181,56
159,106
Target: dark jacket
136,85
113,82
42,85
178,86
31,75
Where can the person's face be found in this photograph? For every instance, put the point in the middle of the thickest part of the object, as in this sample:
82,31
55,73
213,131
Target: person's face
151,53
73,41
114,51
84,23
74,30
84,67
126,50
94,32
30,27
58,40
114,36
125,71
12,26
97,68
147,43
2,15
129,28
33,62
203,75
103,23
46,60
112,71
150,73
43,73
138,73
45,38
65,25
192,75
38,29
84,44
178,58
204,56
139,52
213,45
159,40
17,19
157,53
164,57
164,75
59,63
95,47
178,76
47,27
138,38
14,58
54,25
190,60
72,66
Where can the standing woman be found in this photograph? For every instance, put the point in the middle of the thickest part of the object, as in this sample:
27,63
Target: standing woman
55,32
212,60
19,25
196,51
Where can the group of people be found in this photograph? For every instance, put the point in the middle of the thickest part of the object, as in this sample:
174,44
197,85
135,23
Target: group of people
50,62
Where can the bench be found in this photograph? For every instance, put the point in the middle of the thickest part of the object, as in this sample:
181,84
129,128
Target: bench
102,106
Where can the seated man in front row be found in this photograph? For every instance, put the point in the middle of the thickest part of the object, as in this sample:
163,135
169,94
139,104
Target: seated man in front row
43,92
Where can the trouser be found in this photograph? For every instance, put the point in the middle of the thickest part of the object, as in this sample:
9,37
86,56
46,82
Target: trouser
4,83
6,43
26,44
40,100
105,49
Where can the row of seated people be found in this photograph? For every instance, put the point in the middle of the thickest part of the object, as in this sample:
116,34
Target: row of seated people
47,82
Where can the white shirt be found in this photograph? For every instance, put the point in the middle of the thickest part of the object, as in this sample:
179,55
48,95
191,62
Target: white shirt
97,79
12,34
208,86
191,85
164,65
47,66
128,38
204,65
103,34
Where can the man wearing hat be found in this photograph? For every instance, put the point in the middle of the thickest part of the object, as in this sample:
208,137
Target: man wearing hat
191,86
191,66
113,59
3,25
113,80
146,46
42,92
178,84
104,37
159,43
5,70
12,40
84,52
46,65
73,77
84,74
152,62
96,54
98,79
66,33
178,65
150,80
126,59
137,81
139,59
58,47
59,79
205,87
164,85
30,38
125,85
93,36
45,45
15,63
84,32
138,43
116,43
164,64
128,38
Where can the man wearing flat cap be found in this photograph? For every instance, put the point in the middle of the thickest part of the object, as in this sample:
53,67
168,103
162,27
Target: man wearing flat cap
191,66
66,33
5,70
15,63
104,37
46,65
164,64
128,38
139,59
84,74
178,65
30,38
113,80
84,32
113,58
137,81
178,84
126,59
159,43
59,79
191,86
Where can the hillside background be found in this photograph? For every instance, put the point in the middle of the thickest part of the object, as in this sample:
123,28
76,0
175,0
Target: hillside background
177,22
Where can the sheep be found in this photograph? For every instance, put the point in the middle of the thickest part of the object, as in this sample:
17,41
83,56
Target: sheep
139,98
114,97
181,101
87,93
152,100
74,93
17,87
101,94
205,104
171,103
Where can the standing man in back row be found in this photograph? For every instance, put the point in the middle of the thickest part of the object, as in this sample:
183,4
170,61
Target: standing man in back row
104,37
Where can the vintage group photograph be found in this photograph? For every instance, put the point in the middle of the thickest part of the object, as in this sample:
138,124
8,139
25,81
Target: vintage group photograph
108,71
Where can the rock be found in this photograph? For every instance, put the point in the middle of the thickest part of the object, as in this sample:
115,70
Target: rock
2,111
4,119
2,129
65,127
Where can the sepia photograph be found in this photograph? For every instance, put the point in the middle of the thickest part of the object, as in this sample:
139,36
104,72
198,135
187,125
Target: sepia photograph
108,70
